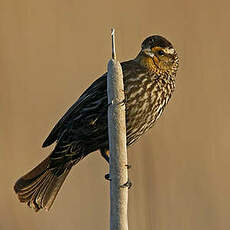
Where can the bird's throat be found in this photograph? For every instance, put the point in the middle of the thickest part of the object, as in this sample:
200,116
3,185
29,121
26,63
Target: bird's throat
147,62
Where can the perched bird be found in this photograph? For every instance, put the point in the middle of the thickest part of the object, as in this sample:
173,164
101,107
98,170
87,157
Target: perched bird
149,81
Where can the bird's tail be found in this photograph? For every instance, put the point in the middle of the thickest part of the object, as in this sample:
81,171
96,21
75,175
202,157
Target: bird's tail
40,186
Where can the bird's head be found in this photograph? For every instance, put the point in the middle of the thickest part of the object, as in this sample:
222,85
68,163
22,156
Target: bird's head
158,55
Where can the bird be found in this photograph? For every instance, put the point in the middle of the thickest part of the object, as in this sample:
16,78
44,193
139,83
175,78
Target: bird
149,81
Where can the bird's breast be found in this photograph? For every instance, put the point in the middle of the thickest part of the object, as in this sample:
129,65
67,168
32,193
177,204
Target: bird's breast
145,101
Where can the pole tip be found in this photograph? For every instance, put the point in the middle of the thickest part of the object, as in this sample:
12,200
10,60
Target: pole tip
112,31
113,44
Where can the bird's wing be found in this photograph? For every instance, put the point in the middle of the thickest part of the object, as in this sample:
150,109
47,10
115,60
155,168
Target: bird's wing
96,90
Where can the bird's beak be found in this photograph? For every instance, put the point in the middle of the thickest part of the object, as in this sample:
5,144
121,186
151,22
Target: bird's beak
148,52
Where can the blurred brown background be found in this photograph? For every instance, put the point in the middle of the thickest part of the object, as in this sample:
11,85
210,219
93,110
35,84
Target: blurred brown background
50,51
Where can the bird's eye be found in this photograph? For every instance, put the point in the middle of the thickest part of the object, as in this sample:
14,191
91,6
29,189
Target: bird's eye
161,52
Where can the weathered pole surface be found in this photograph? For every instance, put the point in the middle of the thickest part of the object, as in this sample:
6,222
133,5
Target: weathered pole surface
117,145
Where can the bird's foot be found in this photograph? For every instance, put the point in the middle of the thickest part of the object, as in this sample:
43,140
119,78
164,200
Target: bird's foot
128,184
128,166
109,104
122,102
107,177
118,103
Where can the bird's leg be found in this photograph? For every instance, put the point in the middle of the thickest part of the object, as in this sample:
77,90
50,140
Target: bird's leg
105,155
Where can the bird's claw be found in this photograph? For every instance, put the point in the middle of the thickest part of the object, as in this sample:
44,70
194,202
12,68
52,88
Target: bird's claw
122,102
109,104
128,184
118,103
128,166
107,177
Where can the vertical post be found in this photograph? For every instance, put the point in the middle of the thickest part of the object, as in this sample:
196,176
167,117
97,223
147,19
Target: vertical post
117,144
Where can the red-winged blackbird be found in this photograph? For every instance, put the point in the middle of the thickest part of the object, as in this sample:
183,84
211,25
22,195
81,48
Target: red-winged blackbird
149,81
